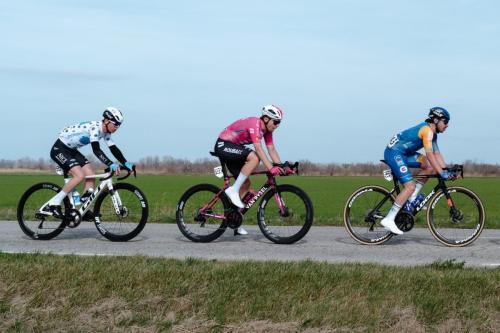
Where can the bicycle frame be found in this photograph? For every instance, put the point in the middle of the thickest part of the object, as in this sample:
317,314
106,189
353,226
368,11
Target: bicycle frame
441,185
269,184
106,183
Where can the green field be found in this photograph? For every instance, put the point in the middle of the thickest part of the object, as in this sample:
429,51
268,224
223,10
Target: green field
328,194
47,293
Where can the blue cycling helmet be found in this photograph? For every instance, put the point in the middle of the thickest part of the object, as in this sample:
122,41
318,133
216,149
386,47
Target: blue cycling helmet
439,113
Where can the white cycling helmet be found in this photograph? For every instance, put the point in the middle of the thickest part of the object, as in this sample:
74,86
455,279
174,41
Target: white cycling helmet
113,114
273,112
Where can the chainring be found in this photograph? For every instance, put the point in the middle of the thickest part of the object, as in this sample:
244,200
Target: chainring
73,218
234,219
405,221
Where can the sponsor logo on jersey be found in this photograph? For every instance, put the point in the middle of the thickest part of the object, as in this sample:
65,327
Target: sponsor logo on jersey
403,169
60,157
233,150
399,160
220,144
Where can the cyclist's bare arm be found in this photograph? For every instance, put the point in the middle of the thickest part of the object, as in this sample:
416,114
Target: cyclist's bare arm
273,153
262,155
440,159
436,161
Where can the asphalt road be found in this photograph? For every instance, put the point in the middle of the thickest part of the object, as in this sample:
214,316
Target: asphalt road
330,244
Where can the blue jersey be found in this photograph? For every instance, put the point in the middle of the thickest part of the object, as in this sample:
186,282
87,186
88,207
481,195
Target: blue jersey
413,139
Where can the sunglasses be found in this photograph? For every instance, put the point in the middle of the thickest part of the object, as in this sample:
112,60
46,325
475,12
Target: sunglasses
276,122
445,121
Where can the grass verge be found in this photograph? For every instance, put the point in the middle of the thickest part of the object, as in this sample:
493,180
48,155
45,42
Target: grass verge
328,194
53,293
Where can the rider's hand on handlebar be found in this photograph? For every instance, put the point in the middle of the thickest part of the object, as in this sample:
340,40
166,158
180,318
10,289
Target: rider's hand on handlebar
447,175
276,170
289,171
115,168
129,165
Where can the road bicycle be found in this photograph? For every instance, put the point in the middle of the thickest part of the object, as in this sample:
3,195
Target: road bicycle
284,214
455,214
120,210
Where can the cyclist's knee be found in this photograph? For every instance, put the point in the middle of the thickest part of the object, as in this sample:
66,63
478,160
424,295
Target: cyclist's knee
410,186
77,174
253,157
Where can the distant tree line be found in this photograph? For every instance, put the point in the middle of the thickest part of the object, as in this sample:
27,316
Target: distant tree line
168,165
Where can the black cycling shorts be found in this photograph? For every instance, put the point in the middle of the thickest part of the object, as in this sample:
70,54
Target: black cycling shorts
233,155
67,157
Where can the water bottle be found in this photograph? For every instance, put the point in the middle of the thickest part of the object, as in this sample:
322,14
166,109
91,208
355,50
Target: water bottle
410,206
87,194
76,197
248,196
418,200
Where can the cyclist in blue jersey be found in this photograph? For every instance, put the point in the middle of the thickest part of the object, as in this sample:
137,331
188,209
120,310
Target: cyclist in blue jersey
65,153
401,155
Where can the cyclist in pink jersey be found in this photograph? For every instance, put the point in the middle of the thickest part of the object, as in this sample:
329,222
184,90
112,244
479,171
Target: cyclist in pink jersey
241,160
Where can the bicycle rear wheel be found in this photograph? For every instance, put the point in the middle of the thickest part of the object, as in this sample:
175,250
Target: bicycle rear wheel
129,220
34,223
286,222
201,214
363,212
458,222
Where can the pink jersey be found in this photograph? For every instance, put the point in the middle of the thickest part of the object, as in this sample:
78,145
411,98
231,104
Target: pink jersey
246,131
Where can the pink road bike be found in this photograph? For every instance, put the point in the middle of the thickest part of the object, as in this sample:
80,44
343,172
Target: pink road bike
284,214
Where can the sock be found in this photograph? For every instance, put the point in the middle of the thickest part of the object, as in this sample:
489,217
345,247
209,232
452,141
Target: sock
239,181
393,212
58,198
418,188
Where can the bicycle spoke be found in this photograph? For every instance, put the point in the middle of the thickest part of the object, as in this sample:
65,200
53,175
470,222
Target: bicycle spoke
364,211
456,222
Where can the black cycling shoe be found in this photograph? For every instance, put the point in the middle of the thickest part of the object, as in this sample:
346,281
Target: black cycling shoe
88,216
56,211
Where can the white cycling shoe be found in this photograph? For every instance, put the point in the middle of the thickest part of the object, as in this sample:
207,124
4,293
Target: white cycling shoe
234,196
240,231
391,226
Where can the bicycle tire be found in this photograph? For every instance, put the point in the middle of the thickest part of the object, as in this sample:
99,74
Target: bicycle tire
33,229
188,210
133,214
296,220
452,231
355,219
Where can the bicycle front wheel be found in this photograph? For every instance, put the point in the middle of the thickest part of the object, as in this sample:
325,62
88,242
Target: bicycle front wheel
285,215
33,222
364,210
201,213
457,221
122,215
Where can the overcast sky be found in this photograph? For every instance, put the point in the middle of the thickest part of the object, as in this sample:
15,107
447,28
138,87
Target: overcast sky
349,74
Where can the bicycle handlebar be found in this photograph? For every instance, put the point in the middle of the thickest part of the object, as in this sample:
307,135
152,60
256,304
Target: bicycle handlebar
293,167
457,169
122,167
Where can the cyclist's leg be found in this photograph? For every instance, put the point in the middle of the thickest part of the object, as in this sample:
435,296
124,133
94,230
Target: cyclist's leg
399,166
78,172
239,163
420,161
251,164
68,160
89,182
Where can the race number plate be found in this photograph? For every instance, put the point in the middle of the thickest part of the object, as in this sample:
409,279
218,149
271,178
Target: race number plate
388,175
218,172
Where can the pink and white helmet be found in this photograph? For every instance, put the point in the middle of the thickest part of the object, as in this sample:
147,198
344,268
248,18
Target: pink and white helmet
273,112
